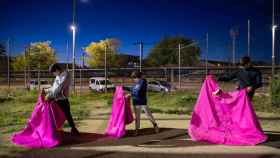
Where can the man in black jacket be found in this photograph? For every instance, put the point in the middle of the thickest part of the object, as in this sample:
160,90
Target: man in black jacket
248,77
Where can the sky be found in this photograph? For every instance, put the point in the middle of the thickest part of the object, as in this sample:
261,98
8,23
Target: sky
25,21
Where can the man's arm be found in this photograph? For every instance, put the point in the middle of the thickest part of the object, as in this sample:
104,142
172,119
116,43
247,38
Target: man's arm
228,76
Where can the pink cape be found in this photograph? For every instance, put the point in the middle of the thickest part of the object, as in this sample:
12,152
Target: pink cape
228,118
121,114
40,131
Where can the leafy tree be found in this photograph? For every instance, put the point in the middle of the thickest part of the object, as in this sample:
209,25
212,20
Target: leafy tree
37,55
165,52
124,60
96,53
2,50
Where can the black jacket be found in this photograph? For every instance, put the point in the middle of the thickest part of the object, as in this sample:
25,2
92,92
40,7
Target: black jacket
246,77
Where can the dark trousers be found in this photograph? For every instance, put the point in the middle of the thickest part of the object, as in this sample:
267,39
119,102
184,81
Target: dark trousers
65,107
250,95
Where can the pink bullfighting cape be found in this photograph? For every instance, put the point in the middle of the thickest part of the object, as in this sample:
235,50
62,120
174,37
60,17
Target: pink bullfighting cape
225,118
41,128
121,114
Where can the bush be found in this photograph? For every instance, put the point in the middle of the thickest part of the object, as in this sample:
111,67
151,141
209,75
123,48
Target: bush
275,91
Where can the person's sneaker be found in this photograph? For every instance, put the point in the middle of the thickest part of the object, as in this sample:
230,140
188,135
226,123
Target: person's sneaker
75,132
156,128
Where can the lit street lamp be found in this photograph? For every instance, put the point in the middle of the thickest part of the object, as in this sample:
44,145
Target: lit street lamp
73,28
273,50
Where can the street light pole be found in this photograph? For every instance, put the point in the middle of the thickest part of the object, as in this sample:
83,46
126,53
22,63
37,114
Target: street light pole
105,67
249,36
206,61
273,42
233,34
73,28
179,64
8,62
141,53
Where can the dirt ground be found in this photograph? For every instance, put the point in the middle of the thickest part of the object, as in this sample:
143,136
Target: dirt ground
172,141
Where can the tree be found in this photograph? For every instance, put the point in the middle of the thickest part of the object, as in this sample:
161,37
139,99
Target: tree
2,50
37,55
96,53
165,52
125,60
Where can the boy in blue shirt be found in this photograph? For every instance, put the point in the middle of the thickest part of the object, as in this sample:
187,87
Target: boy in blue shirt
139,100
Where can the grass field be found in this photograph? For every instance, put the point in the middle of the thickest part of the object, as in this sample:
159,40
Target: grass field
17,107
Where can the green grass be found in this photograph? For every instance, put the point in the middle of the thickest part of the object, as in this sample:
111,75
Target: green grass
15,111
172,103
16,108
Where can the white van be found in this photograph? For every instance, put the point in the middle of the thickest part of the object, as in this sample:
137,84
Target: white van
98,84
34,84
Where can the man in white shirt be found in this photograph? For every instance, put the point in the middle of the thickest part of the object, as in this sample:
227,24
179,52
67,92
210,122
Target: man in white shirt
60,92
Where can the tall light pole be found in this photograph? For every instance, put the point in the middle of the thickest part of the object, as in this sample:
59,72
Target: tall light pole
105,67
8,62
249,36
73,28
233,34
179,64
141,45
67,52
273,41
180,47
141,53
207,50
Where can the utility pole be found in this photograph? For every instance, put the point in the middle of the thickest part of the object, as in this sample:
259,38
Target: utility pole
8,62
67,52
233,34
83,60
206,61
25,67
273,41
141,45
105,67
141,53
179,64
249,36
73,27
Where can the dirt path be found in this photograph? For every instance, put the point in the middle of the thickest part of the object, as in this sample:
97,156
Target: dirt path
172,141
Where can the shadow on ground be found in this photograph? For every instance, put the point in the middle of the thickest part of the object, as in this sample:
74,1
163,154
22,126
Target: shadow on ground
147,145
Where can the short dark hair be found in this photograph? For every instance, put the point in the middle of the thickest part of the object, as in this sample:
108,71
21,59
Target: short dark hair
136,74
55,67
245,61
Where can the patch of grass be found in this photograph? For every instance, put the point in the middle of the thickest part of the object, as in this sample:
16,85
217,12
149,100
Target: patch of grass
17,108
15,111
263,104
172,103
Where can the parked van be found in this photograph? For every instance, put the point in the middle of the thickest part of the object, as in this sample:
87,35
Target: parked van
98,84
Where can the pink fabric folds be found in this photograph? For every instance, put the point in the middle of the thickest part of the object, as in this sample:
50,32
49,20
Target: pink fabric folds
228,118
121,114
40,131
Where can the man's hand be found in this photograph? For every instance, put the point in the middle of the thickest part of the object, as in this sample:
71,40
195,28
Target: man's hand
217,92
249,89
